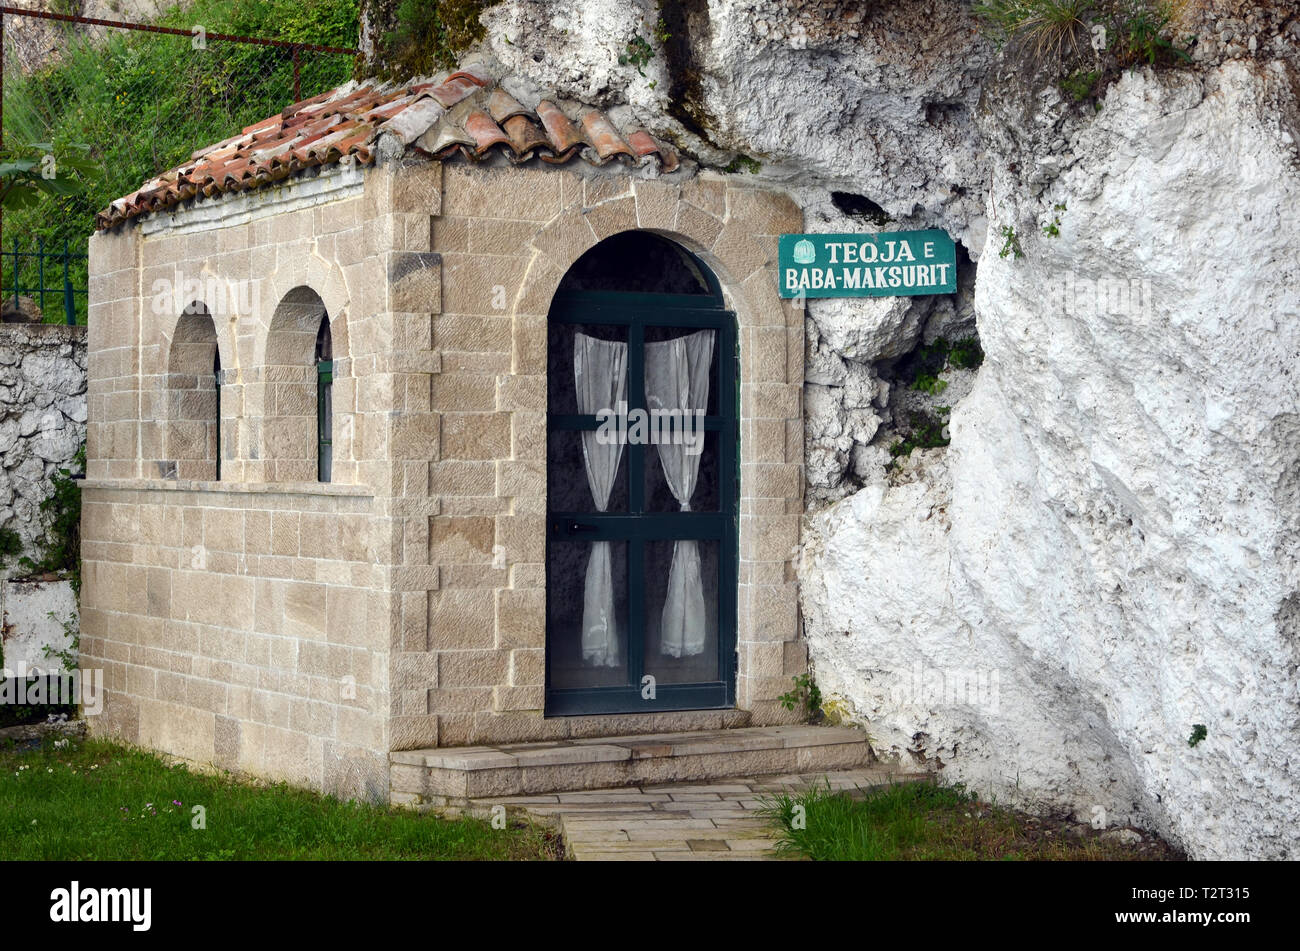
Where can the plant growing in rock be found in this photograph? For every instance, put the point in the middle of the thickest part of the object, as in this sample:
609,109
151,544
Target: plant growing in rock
1053,228
1079,85
1139,34
1045,28
62,509
640,52
966,353
926,433
1199,733
1010,243
11,544
929,383
743,163
72,631
805,694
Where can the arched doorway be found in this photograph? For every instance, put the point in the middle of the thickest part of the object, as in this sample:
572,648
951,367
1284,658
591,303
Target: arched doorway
642,483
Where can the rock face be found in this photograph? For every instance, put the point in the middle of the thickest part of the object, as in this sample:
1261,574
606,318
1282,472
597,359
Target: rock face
1113,530
1105,556
42,423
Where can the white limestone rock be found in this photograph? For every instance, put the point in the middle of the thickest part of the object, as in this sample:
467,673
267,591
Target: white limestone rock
1121,541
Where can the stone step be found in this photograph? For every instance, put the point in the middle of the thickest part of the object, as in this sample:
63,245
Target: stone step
452,775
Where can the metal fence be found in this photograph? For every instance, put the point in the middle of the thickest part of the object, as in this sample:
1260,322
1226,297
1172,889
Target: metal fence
143,96
49,265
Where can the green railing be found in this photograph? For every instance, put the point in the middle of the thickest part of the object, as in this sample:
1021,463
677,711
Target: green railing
30,272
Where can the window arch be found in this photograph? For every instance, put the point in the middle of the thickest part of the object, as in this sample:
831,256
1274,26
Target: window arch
297,391
193,444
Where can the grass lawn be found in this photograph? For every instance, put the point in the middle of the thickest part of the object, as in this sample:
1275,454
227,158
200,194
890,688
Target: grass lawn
101,801
926,822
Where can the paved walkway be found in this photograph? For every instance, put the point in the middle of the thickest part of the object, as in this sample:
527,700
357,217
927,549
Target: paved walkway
715,821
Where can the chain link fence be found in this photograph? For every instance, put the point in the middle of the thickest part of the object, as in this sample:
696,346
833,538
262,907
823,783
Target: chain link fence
132,99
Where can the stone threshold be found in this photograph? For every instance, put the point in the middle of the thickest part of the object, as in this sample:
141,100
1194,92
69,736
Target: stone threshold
442,777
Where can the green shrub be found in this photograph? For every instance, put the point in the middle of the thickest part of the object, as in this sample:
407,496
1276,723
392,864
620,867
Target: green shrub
62,512
11,544
144,102
421,37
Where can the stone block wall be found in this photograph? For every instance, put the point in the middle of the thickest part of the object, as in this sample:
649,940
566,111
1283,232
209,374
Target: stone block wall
245,622
505,238
42,423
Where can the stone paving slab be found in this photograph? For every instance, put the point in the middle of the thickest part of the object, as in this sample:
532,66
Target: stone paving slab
449,776
681,822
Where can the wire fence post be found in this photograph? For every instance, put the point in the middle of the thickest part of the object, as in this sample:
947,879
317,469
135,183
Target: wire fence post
69,304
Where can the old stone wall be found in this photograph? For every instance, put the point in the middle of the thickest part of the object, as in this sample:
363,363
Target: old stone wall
247,622
42,424
481,648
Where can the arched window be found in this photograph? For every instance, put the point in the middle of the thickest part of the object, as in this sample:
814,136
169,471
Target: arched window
193,437
324,402
305,348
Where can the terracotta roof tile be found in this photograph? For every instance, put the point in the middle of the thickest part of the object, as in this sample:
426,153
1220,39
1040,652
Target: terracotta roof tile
466,114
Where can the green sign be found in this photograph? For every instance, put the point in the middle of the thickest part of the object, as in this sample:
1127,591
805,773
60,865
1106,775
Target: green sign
890,264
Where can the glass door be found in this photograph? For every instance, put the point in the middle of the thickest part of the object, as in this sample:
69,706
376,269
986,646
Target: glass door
642,488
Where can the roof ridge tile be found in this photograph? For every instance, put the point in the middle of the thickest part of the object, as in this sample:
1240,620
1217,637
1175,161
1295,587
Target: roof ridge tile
467,113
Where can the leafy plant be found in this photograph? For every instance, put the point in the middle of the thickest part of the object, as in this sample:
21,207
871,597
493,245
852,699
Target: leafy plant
1079,85
1010,243
805,694
1053,228
743,163
1139,34
966,353
72,631
39,168
929,383
62,509
926,433
11,543
640,52
1199,732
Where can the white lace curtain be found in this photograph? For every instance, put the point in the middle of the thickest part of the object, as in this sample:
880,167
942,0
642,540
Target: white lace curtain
676,378
600,379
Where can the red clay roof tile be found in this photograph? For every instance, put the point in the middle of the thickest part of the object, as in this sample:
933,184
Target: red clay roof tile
465,114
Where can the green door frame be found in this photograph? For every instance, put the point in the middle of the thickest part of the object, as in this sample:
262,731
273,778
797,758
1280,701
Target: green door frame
636,527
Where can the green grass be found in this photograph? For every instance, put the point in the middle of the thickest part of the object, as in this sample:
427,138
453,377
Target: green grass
925,821
101,801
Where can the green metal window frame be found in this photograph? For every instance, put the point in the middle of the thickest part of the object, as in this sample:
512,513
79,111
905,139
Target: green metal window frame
636,526
324,419
216,379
